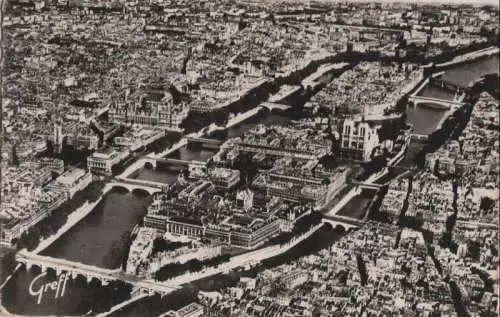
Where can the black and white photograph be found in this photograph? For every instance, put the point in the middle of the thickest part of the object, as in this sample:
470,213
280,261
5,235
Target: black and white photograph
249,158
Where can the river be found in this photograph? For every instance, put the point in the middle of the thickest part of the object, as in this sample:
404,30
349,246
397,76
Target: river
356,207
426,120
466,73
435,92
79,297
263,117
154,306
168,173
98,239
115,217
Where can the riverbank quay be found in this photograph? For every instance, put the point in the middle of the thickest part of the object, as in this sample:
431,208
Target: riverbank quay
73,219
120,306
246,261
465,58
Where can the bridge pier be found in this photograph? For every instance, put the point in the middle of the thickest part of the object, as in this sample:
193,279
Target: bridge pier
335,224
135,291
43,268
88,278
132,185
152,162
28,265
74,275
104,281
438,103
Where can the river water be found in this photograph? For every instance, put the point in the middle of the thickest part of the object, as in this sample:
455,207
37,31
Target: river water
356,207
168,173
163,175
435,92
464,74
79,296
154,306
99,238
426,120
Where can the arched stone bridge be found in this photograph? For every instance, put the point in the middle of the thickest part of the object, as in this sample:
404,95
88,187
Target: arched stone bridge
346,223
131,185
30,260
443,104
90,272
152,162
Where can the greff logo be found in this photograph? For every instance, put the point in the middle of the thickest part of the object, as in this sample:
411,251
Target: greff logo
37,289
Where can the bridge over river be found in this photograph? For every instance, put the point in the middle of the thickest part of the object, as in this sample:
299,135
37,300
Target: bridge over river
435,102
90,272
342,221
421,96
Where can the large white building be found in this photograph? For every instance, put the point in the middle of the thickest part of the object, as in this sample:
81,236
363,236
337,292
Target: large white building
101,162
191,310
74,180
358,140
135,139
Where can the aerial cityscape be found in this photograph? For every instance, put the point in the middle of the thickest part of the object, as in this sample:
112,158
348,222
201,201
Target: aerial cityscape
265,158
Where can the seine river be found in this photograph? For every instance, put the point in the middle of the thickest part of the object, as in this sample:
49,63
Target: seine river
92,241
425,120
466,73
100,238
